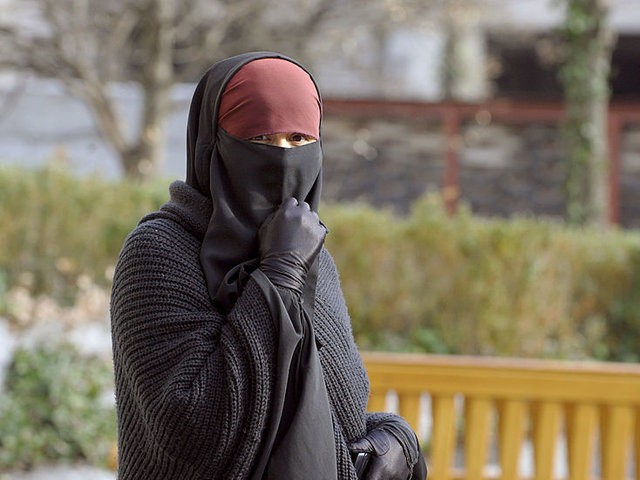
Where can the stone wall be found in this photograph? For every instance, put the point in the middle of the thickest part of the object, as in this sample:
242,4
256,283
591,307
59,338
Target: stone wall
381,162
504,169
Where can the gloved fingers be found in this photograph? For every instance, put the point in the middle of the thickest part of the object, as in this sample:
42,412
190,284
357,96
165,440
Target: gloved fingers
376,441
289,241
388,460
403,433
305,206
381,441
362,445
377,470
289,202
390,466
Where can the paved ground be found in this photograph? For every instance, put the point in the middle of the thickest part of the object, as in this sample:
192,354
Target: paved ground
62,473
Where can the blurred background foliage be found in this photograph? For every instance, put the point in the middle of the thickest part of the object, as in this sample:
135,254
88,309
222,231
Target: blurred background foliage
461,284
57,227
54,408
426,282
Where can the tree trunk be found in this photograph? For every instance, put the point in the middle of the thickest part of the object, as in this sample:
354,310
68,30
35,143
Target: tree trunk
585,77
448,67
597,119
143,160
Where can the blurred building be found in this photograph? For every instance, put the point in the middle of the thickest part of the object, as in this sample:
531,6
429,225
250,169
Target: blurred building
500,48
508,153
477,52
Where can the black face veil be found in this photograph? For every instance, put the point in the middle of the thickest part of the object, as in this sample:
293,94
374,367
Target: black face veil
245,181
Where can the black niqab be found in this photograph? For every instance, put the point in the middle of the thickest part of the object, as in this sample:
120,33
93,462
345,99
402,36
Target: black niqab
250,181
246,183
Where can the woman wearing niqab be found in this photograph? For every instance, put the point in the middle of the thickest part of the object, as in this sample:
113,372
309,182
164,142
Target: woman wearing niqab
233,351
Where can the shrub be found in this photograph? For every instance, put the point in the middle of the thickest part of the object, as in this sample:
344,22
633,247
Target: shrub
462,284
57,227
53,408
424,282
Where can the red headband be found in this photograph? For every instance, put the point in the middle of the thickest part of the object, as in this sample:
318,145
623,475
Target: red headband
270,95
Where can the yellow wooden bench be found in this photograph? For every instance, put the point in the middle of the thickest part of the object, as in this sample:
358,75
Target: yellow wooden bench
585,412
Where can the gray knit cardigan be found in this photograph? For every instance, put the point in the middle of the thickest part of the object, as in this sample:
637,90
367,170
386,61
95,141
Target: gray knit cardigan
193,387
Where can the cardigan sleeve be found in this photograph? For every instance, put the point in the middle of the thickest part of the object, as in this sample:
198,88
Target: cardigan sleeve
192,386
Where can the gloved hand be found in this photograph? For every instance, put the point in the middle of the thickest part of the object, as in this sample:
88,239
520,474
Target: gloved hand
290,240
388,461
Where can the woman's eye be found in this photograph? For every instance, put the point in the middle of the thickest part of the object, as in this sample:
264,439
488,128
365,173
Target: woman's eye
298,137
259,138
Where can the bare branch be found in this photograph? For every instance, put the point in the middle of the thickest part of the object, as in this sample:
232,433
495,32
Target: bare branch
89,44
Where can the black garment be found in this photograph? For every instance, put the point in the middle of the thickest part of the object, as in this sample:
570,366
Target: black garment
195,389
247,182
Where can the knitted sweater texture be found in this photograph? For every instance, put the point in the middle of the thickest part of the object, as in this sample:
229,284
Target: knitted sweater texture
193,387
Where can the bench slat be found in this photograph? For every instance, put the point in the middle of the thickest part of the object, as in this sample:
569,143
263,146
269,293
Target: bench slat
546,425
443,438
582,423
476,438
615,434
511,414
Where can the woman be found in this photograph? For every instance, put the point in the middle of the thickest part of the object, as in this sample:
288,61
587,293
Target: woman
233,351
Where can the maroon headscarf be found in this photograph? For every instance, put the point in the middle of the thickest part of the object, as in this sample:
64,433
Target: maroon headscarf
267,96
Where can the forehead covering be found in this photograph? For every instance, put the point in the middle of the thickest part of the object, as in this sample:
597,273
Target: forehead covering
267,96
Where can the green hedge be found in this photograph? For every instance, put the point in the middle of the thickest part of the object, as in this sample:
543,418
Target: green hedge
462,284
53,408
424,282
56,227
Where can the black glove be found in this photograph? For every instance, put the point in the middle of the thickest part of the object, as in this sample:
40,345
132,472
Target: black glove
290,240
387,461
388,458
